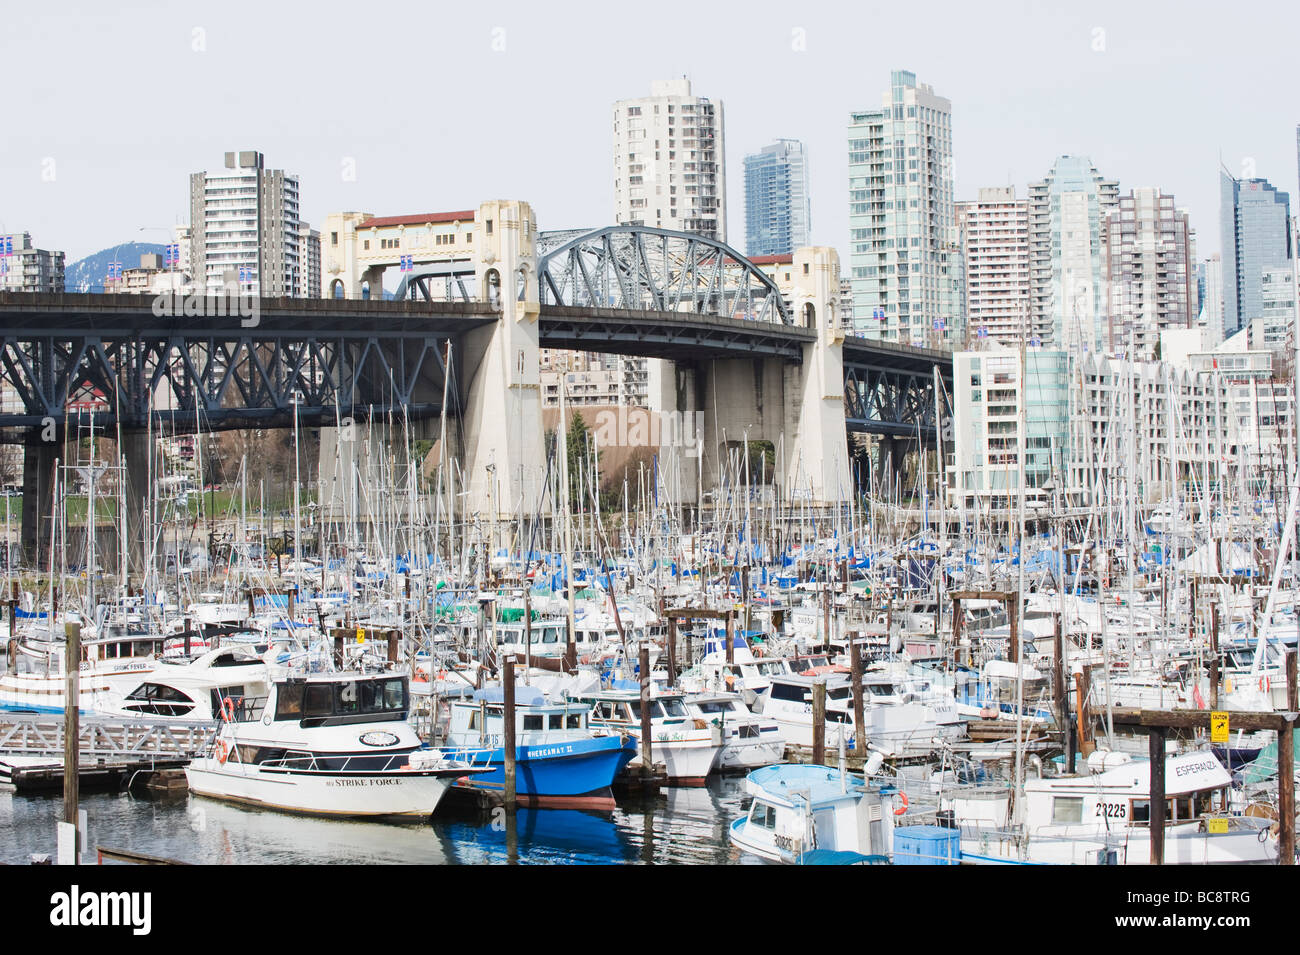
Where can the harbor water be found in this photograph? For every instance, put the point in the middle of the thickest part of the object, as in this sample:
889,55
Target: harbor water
679,825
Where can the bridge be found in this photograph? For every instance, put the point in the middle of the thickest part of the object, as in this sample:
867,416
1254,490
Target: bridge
732,355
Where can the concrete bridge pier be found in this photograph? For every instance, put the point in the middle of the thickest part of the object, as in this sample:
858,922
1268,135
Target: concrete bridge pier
677,428
141,494
38,494
504,462
798,406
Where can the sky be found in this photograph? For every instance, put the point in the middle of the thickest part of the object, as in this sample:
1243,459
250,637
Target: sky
403,108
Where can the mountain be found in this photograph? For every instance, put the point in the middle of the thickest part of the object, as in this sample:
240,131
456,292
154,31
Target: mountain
88,274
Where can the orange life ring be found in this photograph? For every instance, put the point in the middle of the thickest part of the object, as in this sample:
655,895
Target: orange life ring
1265,685
222,753
227,711
903,808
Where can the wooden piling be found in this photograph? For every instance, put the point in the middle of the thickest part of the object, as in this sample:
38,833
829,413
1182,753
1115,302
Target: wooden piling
1292,690
392,647
508,741
672,651
647,765
1156,815
72,727
859,704
819,722
1214,655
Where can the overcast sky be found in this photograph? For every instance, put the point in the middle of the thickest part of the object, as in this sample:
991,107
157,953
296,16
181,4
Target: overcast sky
437,106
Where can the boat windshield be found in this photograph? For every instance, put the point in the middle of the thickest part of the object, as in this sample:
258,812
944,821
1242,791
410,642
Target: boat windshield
344,698
660,709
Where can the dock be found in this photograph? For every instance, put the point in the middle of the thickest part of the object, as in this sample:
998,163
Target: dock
112,753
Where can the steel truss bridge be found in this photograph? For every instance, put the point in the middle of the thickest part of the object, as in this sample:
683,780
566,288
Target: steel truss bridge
628,290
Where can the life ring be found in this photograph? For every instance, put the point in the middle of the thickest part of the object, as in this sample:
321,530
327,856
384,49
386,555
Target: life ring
420,677
222,753
1265,685
227,711
903,808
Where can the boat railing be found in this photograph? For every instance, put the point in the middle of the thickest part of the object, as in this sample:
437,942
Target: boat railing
344,763
243,709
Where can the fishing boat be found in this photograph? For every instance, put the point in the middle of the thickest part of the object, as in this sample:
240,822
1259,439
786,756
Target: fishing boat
334,744
798,809
749,741
1104,818
192,690
559,761
687,747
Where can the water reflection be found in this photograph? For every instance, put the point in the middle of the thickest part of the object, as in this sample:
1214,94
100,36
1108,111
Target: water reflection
678,825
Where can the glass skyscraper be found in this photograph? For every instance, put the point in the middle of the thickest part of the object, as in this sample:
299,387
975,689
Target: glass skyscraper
1253,219
777,210
904,255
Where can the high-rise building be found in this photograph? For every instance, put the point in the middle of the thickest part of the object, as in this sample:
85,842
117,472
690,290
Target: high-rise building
1150,277
25,268
777,208
246,228
994,231
1256,236
1066,257
669,161
309,258
902,226
1211,317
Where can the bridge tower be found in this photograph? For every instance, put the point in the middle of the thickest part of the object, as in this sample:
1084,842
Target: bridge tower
797,406
502,418
818,461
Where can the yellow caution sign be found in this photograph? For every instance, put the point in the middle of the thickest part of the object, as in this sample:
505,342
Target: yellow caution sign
1216,827
1218,727
361,638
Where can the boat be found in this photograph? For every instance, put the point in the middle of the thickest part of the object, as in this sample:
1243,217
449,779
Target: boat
193,690
559,761
1104,818
687,747
799,809
749,741
333,744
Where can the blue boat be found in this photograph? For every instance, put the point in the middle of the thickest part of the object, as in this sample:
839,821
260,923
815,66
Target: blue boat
560,762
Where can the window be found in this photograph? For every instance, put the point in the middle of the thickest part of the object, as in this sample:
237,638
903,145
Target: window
334,238
1067,809
533,721
763,815
555,722
288,702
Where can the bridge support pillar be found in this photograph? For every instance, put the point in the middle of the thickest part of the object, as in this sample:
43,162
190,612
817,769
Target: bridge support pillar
819,455
141,492
678,427
38,495
504,461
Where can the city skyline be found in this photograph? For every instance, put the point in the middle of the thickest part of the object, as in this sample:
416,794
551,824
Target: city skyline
1067,89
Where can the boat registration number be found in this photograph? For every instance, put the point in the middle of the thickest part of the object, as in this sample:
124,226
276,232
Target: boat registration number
787,842
1112,810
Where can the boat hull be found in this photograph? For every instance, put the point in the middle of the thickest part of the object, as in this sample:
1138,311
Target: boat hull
401,794
575,774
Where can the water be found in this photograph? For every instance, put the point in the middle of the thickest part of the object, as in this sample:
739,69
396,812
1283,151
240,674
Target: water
680,825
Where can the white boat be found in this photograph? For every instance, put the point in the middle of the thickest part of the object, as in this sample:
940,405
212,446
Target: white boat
749,741
897,724
686,746
801,808
335,744
1103,818
193,690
